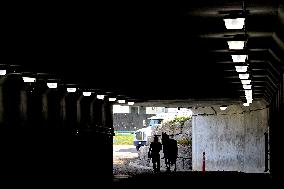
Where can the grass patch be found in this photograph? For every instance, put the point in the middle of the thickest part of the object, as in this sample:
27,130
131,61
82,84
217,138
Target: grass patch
123,139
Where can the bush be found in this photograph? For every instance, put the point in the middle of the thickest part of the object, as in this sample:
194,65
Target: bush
179,119
184,141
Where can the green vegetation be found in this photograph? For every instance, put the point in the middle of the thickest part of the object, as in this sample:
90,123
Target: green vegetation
123,138
184,141
179,119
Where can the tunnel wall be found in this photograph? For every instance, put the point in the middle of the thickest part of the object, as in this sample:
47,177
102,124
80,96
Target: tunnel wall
233,140
50,136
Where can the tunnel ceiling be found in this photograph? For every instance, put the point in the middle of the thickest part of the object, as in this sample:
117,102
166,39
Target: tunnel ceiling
149,51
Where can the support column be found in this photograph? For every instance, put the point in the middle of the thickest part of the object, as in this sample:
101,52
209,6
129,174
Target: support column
69,112
85,110
13,139
96,112
35,93
12,107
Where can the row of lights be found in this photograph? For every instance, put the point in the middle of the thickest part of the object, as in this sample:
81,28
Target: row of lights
239,23
54,85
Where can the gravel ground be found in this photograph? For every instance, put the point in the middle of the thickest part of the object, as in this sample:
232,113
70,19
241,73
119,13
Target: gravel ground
126,162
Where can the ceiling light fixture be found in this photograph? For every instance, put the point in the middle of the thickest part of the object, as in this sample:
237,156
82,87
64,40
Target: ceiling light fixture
244,76
87,93
239,58
223,107
101,97
29,79
247,86
121,101
246,104
235,23
245,81
71,90
241,68
236,44
130,103
249,100
51,85
3,72
112,99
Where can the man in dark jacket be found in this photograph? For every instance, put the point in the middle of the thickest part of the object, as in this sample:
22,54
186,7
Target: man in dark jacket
154,151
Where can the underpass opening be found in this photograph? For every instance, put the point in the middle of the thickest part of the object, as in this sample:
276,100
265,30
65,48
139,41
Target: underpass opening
231,142
135,128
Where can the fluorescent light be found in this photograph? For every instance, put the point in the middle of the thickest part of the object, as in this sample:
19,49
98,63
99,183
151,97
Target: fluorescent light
236,44
87,93
3,72
249,100
29,79
236,23
249,97
71,90
247,86
112,99
223,107
241,68
248,93
52,85
130,103
244,76
101,97
121,101
246,81
239,58
246,104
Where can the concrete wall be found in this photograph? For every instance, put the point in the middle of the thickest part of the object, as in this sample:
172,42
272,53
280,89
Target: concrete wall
233,140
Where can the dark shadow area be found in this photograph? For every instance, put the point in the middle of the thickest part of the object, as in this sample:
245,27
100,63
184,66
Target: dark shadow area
195,179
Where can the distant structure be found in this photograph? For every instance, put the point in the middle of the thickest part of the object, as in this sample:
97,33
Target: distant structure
132,118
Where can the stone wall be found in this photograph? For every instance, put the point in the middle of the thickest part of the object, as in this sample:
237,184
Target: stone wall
180,132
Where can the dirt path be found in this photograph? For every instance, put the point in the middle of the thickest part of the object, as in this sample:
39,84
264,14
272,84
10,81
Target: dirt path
124,158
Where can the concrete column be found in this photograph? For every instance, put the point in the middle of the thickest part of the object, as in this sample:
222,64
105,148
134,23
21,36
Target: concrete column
282,85
84,111
96,112
12,107
14,137
36,116
53,108
69,111
107,115
233,140
142,110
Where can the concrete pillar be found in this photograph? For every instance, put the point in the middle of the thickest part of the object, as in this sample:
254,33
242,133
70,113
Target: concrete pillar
107,115
282,86
85,110
52,109
36,100
96,112
15,137
107,137
69,111
12,105
142,110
